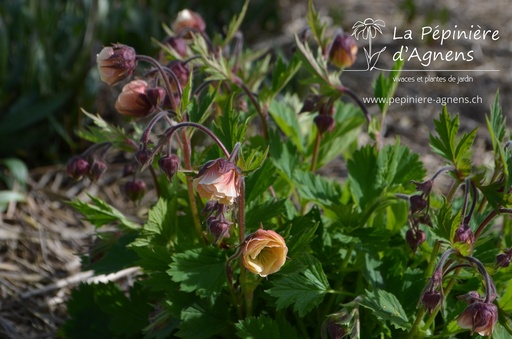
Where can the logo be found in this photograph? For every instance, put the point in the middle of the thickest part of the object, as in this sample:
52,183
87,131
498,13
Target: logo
445,44
367,30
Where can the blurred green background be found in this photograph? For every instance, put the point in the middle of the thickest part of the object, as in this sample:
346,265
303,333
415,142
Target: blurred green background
47,62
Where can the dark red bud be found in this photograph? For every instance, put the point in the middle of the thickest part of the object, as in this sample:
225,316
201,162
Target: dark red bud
155,95
343,50
415,239
502,260
219,228
311,104
418,203
431,299
464,234
178,44
324,123
169,165
98,167
143,156
135,189
77,167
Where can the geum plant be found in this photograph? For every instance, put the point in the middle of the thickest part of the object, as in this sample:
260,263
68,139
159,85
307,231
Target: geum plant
248,239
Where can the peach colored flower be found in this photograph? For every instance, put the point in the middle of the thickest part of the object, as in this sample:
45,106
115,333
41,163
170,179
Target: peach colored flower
264,252
137,100
218,180
480,317
116,63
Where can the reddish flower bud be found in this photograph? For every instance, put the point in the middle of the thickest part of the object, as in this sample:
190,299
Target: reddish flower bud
116,63
98,167
479,317
415,239
143,156
134,100
418,203
342,50
342,324
77,167
431,299
324,123
503,259
219,228
188,20
181,71
178,44
218,180
464,234
169,165
311,104
135,190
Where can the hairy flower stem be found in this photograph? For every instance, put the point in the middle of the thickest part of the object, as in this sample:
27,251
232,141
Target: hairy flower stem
247,286
316,148
164,77
488,219
190,188
262,113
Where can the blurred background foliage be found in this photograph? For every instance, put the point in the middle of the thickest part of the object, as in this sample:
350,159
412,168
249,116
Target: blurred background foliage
47,61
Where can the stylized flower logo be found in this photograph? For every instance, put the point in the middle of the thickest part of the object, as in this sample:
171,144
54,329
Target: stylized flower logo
368,29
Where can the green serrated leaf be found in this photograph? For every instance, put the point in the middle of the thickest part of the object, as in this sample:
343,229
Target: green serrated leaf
385,87
99,213
235,23
447,222
456,150
200,270
258,213
287,120
324,191
203,319
304,289
263,327
386,307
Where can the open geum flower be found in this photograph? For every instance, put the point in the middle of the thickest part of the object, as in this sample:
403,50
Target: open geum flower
264,252
479,317
218,180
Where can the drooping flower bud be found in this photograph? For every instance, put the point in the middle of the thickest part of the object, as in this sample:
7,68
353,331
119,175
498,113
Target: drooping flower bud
219,228
324,123
479,317
418,203
218,180
116,63
169,164
503,259
134,100
77,167
415,238
431,299
135,189
143,156
178,44
181,71
464,235
342,50
264,252
311,104
189,20
97,168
